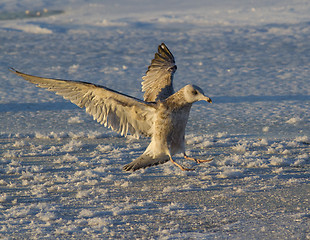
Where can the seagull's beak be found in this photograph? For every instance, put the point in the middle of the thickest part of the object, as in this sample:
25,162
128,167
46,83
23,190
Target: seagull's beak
207,99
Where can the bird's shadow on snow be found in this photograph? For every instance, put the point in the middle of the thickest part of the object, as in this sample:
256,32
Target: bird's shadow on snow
33,107
29,14
255,98
48,106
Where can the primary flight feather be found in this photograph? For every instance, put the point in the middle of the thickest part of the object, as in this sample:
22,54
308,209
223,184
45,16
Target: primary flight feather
162,115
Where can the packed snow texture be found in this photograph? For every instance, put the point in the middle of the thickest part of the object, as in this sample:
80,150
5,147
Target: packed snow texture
61,172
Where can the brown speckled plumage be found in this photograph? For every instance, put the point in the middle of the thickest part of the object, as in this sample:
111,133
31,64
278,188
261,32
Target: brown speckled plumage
162,115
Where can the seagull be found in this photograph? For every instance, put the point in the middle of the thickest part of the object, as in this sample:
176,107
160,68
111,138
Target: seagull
162,115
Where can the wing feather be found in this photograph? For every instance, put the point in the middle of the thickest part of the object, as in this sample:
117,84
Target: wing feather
121,113
157,83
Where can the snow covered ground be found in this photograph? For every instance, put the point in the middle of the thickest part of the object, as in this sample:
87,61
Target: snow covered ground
61,172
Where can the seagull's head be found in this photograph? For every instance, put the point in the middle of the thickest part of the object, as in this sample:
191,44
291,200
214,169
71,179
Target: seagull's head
193,93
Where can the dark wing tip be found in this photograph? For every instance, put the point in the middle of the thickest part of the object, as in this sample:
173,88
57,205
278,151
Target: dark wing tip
164,51
13,70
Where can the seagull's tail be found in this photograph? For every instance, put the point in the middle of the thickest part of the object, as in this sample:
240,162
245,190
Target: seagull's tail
145,161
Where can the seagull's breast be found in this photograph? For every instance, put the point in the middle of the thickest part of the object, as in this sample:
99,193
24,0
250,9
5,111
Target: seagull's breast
176,138
170,127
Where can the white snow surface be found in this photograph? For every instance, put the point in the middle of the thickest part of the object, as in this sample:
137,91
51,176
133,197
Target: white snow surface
61,173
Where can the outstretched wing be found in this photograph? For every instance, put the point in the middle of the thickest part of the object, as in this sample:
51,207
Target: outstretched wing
157,83
117,111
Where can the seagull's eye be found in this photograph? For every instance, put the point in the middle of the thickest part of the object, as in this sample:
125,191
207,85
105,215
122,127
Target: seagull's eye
194,92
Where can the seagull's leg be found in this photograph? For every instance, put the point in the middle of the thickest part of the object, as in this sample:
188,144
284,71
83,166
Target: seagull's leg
197,160
180,166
